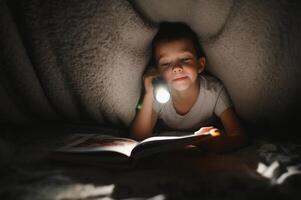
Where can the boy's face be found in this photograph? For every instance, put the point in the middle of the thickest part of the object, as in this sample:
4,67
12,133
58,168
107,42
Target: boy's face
178,63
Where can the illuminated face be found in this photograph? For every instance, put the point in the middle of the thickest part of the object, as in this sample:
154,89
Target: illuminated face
177,63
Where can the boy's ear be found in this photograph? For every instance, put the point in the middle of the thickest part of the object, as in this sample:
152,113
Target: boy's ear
202,62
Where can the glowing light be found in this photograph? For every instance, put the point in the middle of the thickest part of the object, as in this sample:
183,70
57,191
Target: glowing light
162,95
161,91
139,106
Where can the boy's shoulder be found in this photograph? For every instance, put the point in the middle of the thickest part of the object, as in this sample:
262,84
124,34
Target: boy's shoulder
211,83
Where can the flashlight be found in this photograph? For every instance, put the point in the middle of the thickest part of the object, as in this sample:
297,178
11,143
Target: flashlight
161,91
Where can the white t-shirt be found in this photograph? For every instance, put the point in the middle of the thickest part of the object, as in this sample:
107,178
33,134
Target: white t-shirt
213,99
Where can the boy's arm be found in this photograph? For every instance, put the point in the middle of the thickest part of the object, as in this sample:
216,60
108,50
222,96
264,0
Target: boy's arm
233,138
145,119
143,124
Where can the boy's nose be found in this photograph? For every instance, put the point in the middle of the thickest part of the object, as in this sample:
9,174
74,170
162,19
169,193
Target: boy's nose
177,68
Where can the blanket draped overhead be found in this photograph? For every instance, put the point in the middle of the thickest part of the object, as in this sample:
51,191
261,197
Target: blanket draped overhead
83,60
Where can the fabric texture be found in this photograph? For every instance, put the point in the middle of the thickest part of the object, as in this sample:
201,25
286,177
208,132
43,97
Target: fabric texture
83,60
212,100
65,60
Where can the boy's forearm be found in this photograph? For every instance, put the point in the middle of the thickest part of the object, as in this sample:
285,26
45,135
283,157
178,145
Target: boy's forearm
228,141
224,144
141,127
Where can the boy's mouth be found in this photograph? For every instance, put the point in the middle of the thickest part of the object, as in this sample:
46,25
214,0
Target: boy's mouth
180,78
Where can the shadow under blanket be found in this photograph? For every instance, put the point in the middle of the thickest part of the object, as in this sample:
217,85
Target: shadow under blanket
27,174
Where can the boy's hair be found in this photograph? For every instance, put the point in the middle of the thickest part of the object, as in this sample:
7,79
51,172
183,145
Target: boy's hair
170,31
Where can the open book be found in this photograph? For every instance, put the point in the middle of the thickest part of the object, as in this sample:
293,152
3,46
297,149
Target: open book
110,150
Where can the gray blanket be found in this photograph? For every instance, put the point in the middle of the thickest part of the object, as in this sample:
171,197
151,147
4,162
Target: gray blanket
83,61
78,60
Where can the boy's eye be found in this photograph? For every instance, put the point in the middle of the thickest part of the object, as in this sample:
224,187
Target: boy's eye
186,59
164,65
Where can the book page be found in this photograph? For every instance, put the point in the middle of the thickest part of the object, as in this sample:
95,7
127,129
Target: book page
172,137
98,143
163,143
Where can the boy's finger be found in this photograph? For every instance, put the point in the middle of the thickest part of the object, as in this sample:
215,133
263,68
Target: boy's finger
150,76
215,132
205,129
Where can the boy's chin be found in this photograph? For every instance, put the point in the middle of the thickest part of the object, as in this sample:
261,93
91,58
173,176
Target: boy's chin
181,87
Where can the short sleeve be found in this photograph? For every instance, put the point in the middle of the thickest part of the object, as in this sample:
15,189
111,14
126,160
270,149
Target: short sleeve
223,102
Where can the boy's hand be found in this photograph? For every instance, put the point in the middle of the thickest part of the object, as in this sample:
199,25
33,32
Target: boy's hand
204,130
214,134
218,143
147,79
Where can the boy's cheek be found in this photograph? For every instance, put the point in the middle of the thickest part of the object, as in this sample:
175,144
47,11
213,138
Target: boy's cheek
165,76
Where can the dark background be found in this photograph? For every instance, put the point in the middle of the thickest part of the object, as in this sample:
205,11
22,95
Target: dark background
80,62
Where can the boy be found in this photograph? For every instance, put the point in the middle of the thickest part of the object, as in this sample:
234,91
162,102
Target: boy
195,98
